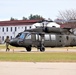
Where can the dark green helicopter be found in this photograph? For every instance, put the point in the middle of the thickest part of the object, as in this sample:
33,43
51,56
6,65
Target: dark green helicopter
41,37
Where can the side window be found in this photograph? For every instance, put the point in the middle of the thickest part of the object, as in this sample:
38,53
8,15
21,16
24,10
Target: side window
15,29
67,37
3,29
53,37
7,29
11,29
38,37
47,37
11,37
28,36
3,38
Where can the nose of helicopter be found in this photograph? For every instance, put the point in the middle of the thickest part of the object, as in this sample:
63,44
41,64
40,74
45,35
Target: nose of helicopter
13,42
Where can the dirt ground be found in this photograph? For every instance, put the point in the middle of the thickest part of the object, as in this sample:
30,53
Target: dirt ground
49,49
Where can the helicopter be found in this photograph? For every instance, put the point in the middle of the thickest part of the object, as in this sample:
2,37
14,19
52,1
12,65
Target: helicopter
44,36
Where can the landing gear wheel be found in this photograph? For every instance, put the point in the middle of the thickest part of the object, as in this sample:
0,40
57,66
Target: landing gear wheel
42,49
28,48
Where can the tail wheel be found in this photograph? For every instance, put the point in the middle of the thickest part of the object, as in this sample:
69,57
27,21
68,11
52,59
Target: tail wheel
28,48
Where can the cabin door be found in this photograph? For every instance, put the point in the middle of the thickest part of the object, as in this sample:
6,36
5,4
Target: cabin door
47,40
53,41
36,39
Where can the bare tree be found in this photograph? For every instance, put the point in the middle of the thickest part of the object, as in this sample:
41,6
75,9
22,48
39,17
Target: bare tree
67,15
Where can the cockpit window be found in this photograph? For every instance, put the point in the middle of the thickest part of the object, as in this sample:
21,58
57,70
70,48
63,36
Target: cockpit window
20,35
24,35
28,36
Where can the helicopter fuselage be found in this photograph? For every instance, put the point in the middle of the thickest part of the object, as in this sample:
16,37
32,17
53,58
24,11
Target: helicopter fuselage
40,41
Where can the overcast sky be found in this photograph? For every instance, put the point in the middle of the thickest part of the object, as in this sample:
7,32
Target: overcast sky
46,8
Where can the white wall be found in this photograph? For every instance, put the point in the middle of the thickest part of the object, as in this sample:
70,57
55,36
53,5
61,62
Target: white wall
11,33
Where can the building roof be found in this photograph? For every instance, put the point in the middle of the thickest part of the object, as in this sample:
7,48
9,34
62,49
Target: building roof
17,22
69,25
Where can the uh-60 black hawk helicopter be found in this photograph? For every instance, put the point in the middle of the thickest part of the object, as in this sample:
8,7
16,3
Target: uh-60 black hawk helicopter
41,37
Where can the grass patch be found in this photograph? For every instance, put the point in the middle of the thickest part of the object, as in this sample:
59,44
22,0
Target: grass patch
3,46
38,57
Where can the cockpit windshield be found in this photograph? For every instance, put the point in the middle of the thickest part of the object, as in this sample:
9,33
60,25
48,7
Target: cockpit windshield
24,35
18,35
21,35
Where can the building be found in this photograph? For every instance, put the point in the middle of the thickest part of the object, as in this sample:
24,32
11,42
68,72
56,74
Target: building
71,25
12,28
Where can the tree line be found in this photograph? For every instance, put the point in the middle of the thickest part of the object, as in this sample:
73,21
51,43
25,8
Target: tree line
66,15
31,17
